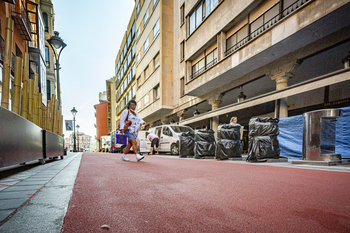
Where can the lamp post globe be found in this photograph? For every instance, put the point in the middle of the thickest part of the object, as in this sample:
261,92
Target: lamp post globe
74,112
56,42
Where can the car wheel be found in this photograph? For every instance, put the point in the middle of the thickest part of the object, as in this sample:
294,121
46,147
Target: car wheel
174,149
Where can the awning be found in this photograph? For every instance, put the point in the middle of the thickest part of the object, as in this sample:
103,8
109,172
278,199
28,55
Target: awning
309,85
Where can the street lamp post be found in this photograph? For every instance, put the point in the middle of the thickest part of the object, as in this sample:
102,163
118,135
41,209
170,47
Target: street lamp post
74,112
57,42
78,127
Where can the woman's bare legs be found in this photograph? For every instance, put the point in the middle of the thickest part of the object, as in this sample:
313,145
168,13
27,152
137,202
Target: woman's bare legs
128,146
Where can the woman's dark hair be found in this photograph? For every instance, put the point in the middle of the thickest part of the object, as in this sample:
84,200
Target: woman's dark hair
131,102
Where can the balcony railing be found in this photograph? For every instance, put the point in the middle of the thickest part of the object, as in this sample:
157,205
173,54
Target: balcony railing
204,68
22,23
267,25
2,49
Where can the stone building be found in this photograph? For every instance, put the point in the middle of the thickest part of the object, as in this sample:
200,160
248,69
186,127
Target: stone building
200,62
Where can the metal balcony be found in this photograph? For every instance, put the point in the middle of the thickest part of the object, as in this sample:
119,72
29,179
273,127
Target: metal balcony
22,23
10,1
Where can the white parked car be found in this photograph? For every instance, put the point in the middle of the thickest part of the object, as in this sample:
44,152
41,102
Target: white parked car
168,137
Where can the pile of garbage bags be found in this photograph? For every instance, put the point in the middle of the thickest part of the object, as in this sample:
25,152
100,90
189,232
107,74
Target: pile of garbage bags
263,142
228,143
186,144
204,143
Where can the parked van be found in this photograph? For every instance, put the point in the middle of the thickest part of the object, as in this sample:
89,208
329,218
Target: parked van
169,137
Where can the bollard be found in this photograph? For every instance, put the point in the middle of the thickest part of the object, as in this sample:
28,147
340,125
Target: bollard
30,100
25,86
6,72
16,98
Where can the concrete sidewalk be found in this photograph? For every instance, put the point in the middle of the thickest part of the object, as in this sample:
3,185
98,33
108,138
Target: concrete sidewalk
34,198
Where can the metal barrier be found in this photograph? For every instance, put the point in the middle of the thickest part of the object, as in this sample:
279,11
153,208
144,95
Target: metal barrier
22,141
319,135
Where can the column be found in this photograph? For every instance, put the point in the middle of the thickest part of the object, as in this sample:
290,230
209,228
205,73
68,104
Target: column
6,71
214,101
181,114
281,75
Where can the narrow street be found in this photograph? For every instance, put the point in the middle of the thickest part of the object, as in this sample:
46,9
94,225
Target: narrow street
168,194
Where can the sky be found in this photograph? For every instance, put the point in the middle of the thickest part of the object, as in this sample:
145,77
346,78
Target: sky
93,31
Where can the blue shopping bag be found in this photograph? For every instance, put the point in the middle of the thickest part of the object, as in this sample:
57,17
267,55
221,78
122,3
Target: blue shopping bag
121,139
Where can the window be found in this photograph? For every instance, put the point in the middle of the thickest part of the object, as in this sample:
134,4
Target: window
138,33
156,30
154,3
146,72
138,9
265,18
182,86
138,81
138,57
47,57
182,51
209,6
211,58
46,22
146,100
237,37
145,46
198,67
145,18
182,14
129,59
156,61
138,105
205,63
133,91
133,50
196,17
48,89
133,30
167,132
133,72
156,93
129,39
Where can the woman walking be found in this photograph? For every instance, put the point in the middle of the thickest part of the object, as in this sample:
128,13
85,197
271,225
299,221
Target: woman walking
130,123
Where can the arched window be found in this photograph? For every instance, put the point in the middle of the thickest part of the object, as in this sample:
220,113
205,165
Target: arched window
46,22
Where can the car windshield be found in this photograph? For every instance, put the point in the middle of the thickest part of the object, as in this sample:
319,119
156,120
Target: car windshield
181,129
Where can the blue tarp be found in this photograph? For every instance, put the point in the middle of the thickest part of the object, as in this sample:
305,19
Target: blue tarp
291,136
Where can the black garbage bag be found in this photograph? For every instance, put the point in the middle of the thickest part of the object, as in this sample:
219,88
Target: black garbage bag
202,149
228,149
204,135
263,147
187,144
228,131
263,126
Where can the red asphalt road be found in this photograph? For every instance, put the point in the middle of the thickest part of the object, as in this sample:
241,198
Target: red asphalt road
184,195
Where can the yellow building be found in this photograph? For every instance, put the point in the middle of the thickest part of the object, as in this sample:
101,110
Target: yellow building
200,62
122,87
154,59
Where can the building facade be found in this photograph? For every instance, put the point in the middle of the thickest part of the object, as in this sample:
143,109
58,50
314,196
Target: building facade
83,142
258,58
200,62
49,21
124,83
101,116
154,59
